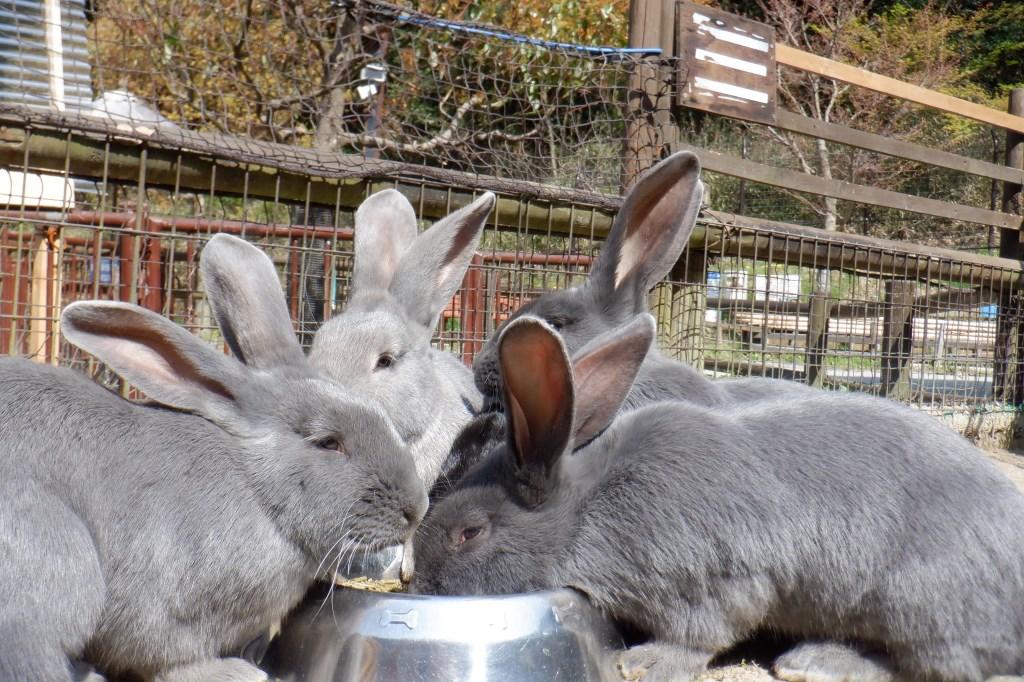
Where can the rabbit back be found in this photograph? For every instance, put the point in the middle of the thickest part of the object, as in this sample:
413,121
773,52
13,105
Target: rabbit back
51,573
735,522
837,518
201,517
127,552
205,527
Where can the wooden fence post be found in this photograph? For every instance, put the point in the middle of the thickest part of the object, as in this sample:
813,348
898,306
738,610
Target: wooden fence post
897,338
817,337
650,127
38,311
1008,379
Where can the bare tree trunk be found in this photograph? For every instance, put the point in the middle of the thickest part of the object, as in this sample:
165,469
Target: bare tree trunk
326,136
829,221
825,166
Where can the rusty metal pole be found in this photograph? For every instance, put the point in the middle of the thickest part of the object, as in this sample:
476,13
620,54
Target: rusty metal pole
153,266
472,305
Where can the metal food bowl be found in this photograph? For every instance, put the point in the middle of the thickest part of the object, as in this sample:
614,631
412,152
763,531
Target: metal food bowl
356,635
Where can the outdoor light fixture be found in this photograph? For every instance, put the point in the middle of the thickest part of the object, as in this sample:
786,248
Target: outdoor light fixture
371,75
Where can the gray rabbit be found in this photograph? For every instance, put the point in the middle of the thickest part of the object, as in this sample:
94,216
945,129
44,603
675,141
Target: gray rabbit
649,233
379,346
857,521
154,538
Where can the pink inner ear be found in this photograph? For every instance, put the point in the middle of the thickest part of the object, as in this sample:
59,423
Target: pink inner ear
538,390
142,360
520,429
647,225
654,211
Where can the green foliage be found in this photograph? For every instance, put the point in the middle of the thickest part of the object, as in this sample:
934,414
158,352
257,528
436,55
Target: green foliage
994,45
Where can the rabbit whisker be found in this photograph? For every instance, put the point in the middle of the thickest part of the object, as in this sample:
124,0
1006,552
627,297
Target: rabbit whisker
330,591
327,555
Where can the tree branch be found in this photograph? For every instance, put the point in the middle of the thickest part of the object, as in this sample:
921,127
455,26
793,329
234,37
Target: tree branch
444,138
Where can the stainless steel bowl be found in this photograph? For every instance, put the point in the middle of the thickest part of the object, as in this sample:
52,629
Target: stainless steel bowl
363,636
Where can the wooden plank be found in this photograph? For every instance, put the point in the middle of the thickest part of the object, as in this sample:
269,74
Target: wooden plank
705,41
805,61
277,177
729,234
848,240
812,127
724,74
923,305
848,191
865,329
702,28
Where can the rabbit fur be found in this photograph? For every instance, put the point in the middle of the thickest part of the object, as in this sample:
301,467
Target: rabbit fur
849,519
379,346
152,539
646,240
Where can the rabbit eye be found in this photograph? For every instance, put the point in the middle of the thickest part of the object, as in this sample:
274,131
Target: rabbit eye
331,443
384,361
468,534
558,323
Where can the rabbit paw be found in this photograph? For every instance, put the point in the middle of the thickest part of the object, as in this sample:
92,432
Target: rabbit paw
661,663
215,670
830,662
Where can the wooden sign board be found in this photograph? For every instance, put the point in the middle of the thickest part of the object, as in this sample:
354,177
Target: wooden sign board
726,63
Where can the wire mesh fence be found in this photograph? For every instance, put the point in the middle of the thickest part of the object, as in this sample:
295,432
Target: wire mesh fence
275,126
748,297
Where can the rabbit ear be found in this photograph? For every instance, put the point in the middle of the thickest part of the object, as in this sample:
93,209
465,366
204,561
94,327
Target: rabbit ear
166,362
605,370
385,228
432,269
537,379
246,297
650,231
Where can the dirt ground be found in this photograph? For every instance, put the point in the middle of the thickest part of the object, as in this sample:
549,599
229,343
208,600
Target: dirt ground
1010,462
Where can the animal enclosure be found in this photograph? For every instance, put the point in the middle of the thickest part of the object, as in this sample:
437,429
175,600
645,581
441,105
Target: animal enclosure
113,197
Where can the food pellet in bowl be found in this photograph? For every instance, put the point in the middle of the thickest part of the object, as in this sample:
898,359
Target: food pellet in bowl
370,584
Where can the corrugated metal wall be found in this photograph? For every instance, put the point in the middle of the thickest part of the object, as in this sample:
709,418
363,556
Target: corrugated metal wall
24,66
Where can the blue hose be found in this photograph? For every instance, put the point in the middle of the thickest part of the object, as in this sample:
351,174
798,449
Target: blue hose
524,40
